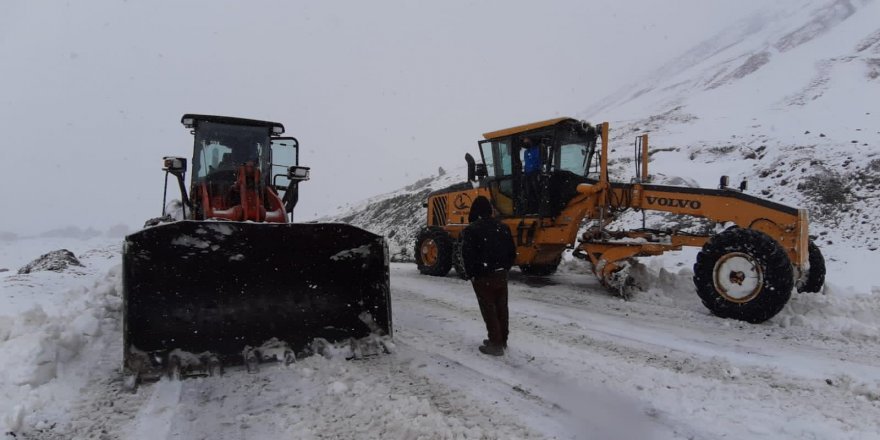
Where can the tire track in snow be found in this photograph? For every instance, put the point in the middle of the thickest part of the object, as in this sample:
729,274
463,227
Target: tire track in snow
153,420
744,344
544,398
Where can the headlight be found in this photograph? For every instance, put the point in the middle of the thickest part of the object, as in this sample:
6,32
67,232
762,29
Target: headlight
298,173
174,164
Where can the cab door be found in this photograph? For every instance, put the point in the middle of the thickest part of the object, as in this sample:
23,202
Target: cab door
285,154
502,174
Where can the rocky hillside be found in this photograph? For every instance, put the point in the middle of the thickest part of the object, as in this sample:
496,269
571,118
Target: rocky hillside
399,215
785,99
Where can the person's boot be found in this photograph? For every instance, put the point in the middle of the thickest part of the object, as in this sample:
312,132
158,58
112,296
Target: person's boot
486,342
492,350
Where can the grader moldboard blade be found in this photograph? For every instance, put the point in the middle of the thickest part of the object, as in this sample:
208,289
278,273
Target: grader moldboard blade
205,290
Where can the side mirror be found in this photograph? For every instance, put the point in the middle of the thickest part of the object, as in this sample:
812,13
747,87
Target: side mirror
295,175
176,166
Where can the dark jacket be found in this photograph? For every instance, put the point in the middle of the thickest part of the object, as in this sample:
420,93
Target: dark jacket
486,246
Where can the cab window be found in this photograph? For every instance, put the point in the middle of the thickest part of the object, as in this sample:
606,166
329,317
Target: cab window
574,158
224,147
488,157
217,157
285,154
498,157
505,159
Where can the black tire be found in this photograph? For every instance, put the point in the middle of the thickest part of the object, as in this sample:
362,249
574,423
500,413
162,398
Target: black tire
759,277
540,270
433,252
816,275
457,262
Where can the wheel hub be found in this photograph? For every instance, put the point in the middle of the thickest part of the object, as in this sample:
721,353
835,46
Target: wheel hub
738,277
429,252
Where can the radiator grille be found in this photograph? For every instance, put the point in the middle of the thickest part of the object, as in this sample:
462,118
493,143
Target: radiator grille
438,210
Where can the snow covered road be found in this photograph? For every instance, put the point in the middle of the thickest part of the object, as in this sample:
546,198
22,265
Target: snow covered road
581,364
667,369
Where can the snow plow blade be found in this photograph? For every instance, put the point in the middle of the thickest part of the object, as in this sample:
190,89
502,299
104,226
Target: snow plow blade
202,292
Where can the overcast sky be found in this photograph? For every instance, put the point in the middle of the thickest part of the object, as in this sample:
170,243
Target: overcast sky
378,93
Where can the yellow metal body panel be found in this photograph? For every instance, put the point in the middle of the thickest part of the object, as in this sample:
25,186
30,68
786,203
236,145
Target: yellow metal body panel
523,128
789,229
450,211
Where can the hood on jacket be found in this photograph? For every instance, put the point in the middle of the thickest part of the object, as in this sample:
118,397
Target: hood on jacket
480,209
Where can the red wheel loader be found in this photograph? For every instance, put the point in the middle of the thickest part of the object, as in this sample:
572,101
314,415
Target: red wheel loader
231,279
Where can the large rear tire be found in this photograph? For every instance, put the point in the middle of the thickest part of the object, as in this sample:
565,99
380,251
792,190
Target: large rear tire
743,274
816,275
457,261
433,252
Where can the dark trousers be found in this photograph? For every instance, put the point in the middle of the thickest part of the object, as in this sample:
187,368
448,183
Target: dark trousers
531,194
491,290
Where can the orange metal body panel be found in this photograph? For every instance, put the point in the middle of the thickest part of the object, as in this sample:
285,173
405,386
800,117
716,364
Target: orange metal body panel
250,203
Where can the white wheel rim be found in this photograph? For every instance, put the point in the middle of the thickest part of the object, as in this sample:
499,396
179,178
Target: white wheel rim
738,277
429,252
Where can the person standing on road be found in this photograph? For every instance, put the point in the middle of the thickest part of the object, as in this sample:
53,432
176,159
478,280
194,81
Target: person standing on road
487,253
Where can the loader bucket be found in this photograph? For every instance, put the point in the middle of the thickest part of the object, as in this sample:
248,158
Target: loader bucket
209,289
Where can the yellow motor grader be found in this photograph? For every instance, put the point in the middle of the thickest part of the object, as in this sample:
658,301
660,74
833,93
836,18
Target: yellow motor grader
745,272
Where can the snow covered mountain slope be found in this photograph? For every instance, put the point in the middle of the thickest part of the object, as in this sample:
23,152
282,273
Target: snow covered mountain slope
398,215
786,99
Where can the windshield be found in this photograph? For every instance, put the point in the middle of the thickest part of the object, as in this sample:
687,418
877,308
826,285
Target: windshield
574,158
225,147
575,153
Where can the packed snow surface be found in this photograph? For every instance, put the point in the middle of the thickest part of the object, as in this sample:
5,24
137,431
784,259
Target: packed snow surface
582,364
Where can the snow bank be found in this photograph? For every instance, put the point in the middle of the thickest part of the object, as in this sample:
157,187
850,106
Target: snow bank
835,310
37,348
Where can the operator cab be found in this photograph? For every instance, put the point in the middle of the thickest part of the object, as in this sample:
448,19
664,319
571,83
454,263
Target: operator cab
220,148
565,149
241,170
